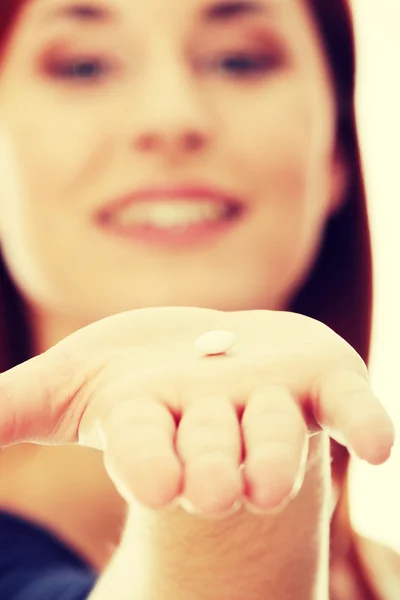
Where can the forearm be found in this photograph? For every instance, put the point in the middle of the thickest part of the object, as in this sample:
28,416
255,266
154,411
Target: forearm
176,556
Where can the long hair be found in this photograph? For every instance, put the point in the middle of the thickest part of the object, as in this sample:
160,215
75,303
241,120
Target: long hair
15,343
339,290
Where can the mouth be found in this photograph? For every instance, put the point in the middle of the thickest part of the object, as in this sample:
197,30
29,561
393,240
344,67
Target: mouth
178,215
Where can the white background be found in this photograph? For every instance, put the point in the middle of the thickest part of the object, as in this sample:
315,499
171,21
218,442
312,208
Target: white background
375,493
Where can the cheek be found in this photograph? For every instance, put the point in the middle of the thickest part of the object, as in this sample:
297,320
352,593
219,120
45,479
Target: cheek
280,148
271,141
282,145
46,140
42,168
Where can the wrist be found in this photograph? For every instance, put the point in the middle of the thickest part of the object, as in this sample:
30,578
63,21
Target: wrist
244,555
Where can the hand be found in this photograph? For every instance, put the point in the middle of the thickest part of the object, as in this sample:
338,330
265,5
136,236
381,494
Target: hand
172,422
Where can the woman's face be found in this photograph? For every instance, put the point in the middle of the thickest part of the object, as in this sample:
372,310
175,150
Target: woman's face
100,100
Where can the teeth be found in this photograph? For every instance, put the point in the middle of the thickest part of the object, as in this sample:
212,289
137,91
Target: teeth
170,214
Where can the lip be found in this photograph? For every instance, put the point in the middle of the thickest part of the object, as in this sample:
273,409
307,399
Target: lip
193,236
179,192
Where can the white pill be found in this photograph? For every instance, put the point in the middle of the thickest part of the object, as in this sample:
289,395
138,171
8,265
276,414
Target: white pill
215,342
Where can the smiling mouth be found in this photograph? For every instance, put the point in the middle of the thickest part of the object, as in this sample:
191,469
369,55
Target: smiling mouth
173,222
171,214
179,215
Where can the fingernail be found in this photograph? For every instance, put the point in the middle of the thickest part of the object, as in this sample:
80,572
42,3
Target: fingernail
249,506
188,507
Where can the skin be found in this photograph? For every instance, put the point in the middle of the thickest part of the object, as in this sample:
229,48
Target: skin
266,136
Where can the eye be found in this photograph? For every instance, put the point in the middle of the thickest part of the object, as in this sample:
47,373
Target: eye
245,65
86,69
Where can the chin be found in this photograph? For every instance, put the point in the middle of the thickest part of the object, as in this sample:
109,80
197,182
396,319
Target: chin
229,302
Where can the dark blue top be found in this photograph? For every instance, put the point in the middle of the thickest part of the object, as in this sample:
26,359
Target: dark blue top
35,565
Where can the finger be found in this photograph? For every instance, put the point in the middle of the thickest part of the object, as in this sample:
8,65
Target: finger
345,405
209,445
139,455
35,398
276,446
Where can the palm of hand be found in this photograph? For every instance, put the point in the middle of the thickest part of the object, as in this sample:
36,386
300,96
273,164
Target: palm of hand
172,422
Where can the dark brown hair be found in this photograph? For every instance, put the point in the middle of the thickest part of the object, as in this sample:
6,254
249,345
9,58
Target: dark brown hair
338,292
15,346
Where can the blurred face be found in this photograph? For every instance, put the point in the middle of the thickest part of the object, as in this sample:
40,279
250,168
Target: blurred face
163,153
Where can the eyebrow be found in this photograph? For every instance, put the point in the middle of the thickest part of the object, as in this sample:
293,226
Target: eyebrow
222,11
80,12
230,10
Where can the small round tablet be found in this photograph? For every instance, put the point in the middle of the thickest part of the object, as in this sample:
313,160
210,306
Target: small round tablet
215,342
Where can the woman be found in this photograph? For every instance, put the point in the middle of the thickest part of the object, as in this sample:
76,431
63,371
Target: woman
220,92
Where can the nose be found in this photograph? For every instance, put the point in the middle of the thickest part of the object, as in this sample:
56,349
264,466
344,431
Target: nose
176,140
171,116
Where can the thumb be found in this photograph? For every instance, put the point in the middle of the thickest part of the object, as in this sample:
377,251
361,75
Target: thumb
37,400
